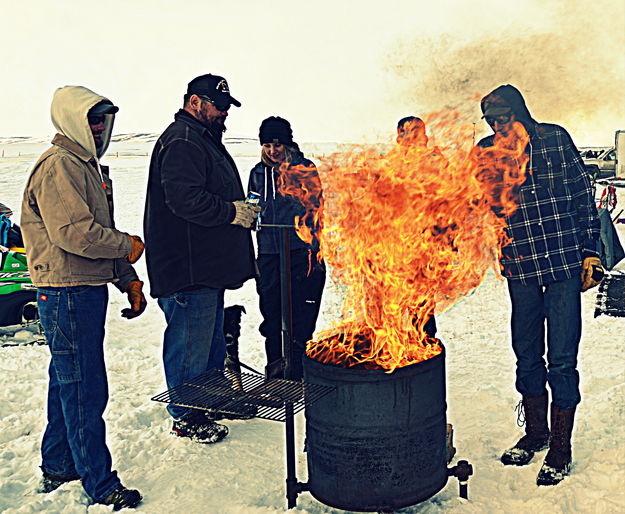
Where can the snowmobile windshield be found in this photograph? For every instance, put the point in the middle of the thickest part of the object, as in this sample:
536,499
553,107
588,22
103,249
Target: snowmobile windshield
70,106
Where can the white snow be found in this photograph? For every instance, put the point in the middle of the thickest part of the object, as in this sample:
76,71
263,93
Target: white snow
245,474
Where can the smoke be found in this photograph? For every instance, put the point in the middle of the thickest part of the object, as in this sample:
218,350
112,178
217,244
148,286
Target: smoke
572,72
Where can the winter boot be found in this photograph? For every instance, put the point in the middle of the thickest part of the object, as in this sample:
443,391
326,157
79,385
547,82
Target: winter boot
200,429
51,482
536,436
123,498
232,332
557,462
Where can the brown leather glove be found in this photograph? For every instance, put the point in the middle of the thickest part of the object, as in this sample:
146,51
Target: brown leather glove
136,249
592,272
137,301
245,213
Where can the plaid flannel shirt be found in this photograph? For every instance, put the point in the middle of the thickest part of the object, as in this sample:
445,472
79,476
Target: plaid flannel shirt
556,224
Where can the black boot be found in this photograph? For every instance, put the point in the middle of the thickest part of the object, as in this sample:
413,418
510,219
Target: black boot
50,482
536,436
123,498
200,429
557,462
232,332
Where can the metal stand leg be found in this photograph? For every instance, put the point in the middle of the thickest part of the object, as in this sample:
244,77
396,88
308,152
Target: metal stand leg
292,486
285,302
291,476
462,471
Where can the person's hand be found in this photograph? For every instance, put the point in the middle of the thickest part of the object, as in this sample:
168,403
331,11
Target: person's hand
245,213
592,272
136,299
136,249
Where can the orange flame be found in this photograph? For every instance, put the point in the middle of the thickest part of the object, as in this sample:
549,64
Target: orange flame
302,182
406,232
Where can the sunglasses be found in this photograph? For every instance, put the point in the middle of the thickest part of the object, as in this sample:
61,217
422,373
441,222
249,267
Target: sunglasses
502,119
95,120
221,104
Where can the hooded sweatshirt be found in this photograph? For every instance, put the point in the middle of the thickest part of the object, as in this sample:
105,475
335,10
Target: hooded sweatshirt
276,207
67,207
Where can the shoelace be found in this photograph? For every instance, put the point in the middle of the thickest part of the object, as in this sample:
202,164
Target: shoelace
520,418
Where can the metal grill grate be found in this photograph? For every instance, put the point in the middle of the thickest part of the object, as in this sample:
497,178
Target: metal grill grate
222,391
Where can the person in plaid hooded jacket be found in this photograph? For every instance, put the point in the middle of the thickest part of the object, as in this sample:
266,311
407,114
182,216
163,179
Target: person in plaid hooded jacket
551,257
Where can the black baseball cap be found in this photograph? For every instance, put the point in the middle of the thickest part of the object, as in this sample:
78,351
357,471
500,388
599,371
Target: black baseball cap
495,106
103,107
214,87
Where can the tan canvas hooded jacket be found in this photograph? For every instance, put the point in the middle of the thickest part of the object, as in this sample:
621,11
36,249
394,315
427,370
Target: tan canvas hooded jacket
67,207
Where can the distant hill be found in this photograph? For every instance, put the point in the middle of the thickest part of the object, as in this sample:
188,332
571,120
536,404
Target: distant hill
141,143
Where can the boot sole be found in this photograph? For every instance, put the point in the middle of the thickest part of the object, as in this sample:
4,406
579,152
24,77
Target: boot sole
217,438
509,459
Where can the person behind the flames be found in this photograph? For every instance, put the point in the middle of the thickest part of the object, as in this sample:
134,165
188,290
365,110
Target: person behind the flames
74,251
551,257
411,133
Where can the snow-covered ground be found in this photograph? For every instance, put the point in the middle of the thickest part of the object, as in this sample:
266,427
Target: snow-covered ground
245,473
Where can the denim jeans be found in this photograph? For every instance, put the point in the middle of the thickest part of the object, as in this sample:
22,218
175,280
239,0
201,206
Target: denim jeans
194,339
75,440
559,304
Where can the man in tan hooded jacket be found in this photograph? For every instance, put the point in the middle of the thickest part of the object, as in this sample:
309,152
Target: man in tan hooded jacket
74,251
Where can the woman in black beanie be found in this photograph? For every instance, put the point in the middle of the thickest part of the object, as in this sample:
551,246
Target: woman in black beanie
279,153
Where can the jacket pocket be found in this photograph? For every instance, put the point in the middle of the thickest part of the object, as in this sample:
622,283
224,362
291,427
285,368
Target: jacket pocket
97,269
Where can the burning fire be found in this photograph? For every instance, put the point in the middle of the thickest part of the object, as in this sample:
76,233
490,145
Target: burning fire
406,232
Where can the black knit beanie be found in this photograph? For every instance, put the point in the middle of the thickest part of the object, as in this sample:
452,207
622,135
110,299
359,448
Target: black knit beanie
275,129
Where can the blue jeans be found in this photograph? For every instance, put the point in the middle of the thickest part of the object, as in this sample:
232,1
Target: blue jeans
194,339
75,437
559,304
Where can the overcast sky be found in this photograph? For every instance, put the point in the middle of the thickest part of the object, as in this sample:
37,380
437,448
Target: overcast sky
338,70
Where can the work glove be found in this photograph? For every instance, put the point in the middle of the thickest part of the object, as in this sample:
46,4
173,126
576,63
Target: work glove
136,249
245,213
135,298
592,272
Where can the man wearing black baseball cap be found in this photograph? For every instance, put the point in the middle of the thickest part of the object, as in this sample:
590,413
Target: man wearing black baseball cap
215,88
198,242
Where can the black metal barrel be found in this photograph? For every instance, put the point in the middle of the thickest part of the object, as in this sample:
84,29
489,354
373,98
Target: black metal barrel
378,442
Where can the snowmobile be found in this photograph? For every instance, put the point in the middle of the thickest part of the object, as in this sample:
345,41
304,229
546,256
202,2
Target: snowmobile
18,295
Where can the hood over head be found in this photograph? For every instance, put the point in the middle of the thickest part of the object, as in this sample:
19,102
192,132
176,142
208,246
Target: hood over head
69,110
508,97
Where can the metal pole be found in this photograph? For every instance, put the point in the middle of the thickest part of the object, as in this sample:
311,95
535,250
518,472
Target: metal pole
287,327
285,301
